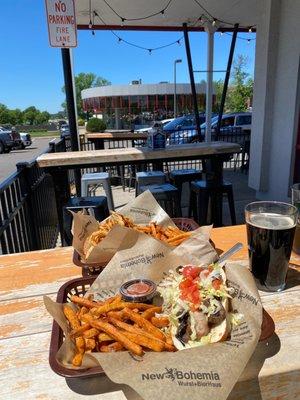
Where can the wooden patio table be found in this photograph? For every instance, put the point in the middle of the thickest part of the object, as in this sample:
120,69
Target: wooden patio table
57,164
273,371
99,138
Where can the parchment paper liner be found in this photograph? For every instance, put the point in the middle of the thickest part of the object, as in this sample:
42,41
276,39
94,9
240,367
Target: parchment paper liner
206,373
143,210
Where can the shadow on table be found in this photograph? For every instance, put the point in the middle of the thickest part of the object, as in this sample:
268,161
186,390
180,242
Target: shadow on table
293,277
247,388
99,385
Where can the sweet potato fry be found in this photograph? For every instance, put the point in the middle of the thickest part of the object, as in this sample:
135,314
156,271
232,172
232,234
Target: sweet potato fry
112,347
71,316
80,348
91,333
104,337
145,341
79,331
148,314
160,322
90,344
183,236
144,323
116,314
85,302
119,306
116,334
77,359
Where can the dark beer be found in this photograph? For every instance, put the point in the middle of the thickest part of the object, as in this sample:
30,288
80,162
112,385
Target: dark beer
270,240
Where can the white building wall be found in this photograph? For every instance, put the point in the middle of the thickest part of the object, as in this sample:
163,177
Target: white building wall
275,103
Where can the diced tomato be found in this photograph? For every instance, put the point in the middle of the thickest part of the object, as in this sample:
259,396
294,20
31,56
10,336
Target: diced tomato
185,283
191,271
216,283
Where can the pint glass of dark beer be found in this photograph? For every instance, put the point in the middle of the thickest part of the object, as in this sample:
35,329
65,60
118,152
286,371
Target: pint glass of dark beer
270,231
296,203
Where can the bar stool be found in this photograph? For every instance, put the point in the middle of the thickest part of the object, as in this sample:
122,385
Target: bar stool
167,196
180,176
203,191
96,204
99,178
148,178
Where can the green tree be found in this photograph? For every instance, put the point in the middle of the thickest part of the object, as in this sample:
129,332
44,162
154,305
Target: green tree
218,86
42,117
4,114
241,86
85,81
30,114
15,116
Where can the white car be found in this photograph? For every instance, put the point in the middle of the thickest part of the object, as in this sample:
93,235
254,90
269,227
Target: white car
156,124
26,139
232,120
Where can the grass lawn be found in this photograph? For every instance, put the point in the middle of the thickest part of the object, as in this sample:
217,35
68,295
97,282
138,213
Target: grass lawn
45,134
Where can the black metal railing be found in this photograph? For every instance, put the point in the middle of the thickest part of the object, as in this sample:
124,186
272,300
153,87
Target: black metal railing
28,217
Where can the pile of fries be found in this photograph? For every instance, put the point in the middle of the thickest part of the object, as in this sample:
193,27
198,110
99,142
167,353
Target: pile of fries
116,325
171,235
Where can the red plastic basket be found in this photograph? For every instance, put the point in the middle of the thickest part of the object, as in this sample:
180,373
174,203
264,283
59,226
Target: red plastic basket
79,287
91,269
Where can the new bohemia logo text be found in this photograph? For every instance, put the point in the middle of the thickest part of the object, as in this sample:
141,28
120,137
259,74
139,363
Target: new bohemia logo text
186,378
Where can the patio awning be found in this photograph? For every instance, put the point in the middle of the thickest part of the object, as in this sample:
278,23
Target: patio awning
165,14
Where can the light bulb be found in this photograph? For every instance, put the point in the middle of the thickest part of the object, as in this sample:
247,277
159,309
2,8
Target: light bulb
150,52
214,22
178,41
221,33
250,29
122,21
90,24
248,40
93,32
163,13
119,40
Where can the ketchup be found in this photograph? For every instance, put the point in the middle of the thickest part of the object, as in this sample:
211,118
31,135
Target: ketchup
138,290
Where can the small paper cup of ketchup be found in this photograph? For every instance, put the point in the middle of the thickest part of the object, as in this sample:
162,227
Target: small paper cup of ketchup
138,290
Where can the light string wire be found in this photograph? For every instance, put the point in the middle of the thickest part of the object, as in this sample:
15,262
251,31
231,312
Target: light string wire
123,19
150,50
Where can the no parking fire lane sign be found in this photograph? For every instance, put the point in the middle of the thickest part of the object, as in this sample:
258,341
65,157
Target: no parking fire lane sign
61,21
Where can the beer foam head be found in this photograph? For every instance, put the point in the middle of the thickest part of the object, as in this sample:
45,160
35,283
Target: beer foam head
271,221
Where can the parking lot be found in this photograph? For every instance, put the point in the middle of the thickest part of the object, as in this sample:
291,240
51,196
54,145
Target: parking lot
8,161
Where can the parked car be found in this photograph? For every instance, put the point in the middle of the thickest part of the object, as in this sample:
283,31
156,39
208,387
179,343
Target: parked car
26,140
181,123
6,140
156,124
64,131
232,120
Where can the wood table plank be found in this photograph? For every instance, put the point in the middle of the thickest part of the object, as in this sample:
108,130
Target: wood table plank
117,135
36,272
134,154
25,374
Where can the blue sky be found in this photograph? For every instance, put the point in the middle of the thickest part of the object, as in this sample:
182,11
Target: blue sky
31,71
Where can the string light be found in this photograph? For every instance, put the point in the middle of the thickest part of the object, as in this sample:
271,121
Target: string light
250,29
163,13
93,32
90,24
150,51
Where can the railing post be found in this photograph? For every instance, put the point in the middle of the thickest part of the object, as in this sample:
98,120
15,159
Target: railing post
23,168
